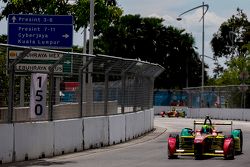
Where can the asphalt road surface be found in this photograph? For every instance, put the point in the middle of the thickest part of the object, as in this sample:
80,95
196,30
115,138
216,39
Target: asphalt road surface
147,151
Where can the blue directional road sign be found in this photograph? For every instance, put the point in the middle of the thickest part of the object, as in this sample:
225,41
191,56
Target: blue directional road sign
50,31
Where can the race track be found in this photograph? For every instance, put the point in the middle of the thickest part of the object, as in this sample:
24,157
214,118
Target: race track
148,151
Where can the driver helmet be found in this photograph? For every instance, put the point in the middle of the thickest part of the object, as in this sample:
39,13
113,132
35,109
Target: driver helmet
206,128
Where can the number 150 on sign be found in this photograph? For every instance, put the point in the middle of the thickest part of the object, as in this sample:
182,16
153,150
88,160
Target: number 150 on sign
38,91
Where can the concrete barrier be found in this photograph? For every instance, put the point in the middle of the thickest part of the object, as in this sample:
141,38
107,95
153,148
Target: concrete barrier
33,140
225,114
6,144
152,116
237,114
246,115
217,113
68,136
139,124
130,126
188,112
95,132
147,120
220,113
116,129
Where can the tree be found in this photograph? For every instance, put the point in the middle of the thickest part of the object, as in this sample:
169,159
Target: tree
110,2
230,38
3,76
149,40
62,7
105,13
183,66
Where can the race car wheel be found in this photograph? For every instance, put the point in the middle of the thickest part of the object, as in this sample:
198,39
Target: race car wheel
240,135
198,151
176,146
162,114
229,155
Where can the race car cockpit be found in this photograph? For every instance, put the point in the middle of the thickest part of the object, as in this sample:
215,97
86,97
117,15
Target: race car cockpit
207,127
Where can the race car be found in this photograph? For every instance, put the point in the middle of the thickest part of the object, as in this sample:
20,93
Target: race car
174,112
205,142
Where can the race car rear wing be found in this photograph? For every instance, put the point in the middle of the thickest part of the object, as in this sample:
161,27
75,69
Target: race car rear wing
214,123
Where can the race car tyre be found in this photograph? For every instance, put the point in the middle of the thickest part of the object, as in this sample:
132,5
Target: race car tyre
162,114
176,137
177,115
198,151
229,155
240,135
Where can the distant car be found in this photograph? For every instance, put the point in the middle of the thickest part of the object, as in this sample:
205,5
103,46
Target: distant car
176,112
205,142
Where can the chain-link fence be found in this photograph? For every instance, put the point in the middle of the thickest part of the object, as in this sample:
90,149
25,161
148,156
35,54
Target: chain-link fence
40,84
231,96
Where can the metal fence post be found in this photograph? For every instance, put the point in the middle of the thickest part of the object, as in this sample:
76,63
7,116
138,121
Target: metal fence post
123,89
51,95
80,78
12,84
135,105
51,87
11,93
151,92
123,93
106,91
22,84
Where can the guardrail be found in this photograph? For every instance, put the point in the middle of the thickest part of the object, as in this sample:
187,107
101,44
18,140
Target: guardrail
220,113
215,113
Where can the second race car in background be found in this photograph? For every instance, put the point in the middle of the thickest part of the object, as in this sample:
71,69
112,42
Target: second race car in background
174,112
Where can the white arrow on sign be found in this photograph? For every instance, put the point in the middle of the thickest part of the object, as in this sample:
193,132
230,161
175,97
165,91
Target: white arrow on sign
67,62
65,36
13,19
